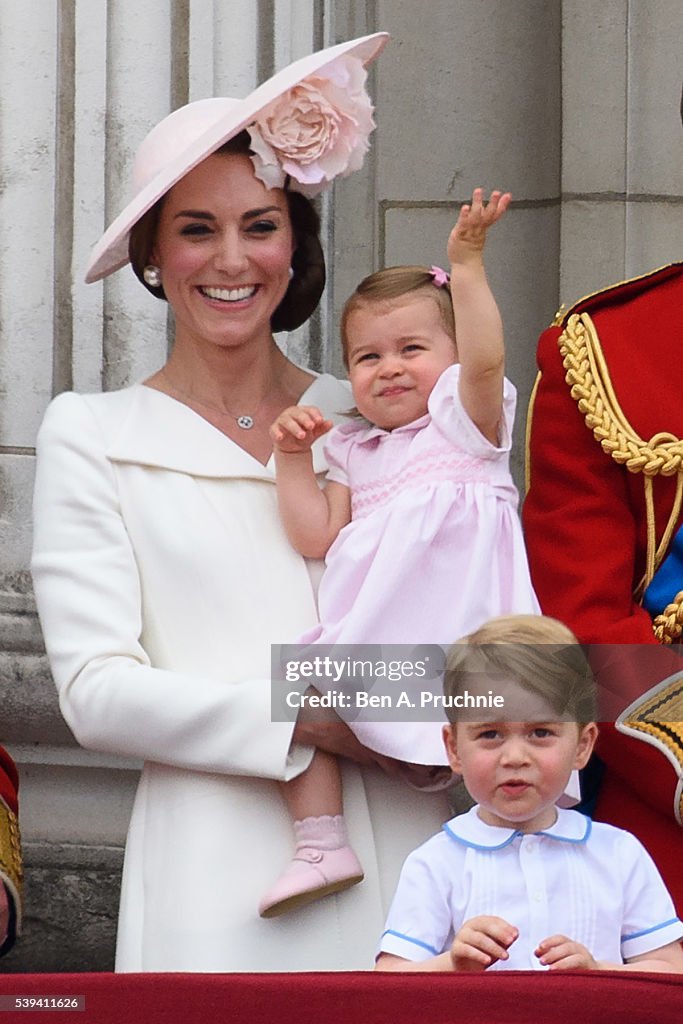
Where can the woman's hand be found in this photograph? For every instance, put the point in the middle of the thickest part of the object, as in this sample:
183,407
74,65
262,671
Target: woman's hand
562,954
480,942
323,728
295,429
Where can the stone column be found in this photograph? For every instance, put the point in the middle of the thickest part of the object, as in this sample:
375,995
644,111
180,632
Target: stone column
622,142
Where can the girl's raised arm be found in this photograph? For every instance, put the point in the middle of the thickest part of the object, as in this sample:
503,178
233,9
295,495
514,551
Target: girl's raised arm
478,326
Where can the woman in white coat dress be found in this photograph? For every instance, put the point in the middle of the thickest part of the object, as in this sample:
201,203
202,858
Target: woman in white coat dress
161,571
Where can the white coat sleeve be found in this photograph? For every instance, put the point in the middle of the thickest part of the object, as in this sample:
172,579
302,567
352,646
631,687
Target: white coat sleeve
89,601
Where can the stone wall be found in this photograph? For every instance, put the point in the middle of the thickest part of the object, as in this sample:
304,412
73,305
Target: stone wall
572,106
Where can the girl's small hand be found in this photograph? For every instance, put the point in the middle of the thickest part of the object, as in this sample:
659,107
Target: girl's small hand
466,240
295,429
480,942
562,954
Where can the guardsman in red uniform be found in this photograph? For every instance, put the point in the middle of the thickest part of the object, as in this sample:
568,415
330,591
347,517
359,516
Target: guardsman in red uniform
602,515
10,854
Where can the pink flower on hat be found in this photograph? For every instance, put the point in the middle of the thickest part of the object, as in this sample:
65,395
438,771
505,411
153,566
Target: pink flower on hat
316,130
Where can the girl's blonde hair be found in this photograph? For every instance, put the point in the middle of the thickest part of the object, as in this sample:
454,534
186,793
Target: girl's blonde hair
395,283
539,653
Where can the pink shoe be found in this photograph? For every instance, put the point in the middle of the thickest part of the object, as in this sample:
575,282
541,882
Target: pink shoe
311,875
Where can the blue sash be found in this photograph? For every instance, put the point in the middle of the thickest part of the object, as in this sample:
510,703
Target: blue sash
668,580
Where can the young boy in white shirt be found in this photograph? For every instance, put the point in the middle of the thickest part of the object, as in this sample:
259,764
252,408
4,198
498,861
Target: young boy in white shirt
516,882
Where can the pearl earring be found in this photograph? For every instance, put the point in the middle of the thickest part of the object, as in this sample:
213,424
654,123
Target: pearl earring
152,276
291,273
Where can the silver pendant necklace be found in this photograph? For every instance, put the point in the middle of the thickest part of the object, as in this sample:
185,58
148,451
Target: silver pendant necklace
243,421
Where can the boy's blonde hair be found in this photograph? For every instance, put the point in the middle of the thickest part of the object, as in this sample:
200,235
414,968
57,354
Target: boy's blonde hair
396,283
539,653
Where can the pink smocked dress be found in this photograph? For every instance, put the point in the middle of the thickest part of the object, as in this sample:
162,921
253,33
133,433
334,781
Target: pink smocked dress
434,547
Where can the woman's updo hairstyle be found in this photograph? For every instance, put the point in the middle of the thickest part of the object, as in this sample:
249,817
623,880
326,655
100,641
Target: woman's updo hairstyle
308,260
308,263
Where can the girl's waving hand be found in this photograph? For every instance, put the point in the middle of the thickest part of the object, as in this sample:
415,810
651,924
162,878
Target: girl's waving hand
478,326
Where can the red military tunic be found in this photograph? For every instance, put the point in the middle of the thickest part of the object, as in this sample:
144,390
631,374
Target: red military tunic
10,847
587,536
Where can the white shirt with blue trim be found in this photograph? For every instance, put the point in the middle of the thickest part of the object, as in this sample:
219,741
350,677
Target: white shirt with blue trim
591,882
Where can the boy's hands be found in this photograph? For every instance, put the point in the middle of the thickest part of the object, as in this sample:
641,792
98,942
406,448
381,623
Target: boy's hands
562,954
295,429
483,940
466,240
480,942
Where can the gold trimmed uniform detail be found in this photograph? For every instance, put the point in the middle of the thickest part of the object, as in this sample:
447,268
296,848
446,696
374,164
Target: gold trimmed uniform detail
564,312
590,386
657,718
668,625
11,871
558,319
527,433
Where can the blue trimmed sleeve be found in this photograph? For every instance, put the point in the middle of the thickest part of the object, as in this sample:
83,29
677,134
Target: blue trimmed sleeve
419,925
650,920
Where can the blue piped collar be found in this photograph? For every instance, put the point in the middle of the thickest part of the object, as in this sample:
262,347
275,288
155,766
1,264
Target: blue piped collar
470,830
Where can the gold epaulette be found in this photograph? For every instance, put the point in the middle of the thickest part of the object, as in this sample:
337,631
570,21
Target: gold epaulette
657,718
648,279
11,870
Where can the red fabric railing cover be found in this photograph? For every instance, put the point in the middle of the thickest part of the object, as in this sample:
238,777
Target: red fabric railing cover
510,997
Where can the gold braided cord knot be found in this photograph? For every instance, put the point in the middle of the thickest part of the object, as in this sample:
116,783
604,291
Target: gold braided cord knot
587,375
668,626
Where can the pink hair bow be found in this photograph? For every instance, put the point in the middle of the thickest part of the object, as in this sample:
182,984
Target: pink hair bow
441,278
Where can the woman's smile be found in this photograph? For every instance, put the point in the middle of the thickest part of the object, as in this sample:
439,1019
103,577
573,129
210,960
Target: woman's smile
228,295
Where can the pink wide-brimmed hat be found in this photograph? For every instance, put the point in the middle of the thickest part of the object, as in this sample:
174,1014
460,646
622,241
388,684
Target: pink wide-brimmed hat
308,124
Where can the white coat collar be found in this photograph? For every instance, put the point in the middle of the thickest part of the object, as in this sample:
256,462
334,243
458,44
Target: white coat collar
156,430
470,830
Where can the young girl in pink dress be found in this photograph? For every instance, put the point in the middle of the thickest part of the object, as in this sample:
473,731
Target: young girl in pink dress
418,519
